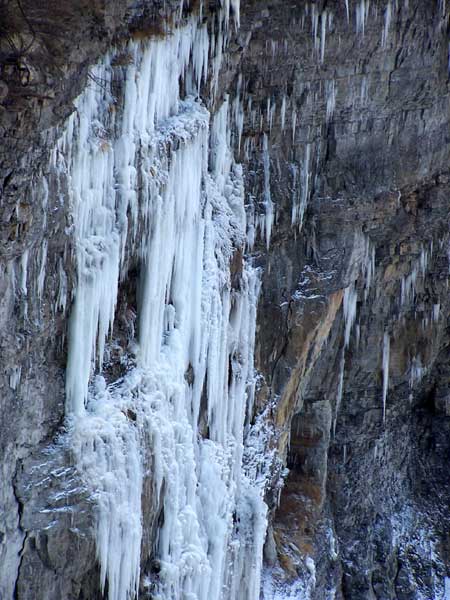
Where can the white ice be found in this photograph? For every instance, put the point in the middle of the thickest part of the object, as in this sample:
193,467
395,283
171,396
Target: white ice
153,182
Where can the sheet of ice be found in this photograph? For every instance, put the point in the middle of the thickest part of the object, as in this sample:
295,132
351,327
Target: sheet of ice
152,180
104,177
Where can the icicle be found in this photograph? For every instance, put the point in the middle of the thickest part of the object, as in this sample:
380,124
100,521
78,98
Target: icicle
238,110
350,303
14,377
295,192
283,112
340,390
294,124
362,13
42,269
268,204
330,93
23,280
300,199
11,273
416,373
364,90
44,200
436,312
408,291
271,115
323,33
101,234
330,21
193,368
236,10
423,261
61,300
23,273
387,23
314,26
386,349
347,10
274,45
368,267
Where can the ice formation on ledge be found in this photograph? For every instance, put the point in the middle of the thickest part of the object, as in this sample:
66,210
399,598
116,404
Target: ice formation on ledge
154,184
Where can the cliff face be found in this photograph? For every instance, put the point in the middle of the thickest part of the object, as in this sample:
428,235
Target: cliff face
46,50
339,117
352,336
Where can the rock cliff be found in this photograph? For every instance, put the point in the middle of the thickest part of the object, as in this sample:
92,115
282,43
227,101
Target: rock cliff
339,116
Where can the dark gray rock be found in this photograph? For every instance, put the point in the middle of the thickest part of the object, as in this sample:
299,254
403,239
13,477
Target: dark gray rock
367,499
378,181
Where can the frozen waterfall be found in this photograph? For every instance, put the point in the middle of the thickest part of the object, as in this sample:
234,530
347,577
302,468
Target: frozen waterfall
152,182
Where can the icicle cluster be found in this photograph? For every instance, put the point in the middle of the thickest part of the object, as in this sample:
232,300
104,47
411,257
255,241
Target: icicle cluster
362,14
301,189
350,306
152,182
409,284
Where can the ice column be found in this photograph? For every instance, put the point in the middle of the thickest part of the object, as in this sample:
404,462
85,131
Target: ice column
145,188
